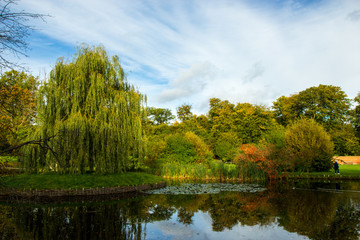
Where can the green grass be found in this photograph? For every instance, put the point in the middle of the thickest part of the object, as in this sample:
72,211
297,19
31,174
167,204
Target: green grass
59,181
347,171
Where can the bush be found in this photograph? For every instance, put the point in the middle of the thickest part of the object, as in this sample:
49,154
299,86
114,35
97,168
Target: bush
155,147
179,149
226,146
201,149
310,145
276,137
256,161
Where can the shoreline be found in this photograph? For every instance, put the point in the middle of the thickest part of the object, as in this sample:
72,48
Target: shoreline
54,194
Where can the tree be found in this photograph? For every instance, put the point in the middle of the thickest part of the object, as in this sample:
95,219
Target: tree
357,115
252,122
201,149
221,116
345,140
17,106
94,113
326,104
283,111
184,112
13,33
159,115
248,121
180,149
226,145
310,145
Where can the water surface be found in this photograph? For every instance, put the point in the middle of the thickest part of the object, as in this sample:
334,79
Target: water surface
298,210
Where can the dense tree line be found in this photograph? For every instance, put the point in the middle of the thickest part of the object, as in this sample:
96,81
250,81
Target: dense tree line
92,119
300,132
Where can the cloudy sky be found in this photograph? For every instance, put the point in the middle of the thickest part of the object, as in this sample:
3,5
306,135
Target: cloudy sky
188,51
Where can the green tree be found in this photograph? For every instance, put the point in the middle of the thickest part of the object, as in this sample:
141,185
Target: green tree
159,115
345,140
226,146
184,112
17,106
221,116
283,109
326,104
249,122
94,114
252,122
310,145
180,149
357,115
201,149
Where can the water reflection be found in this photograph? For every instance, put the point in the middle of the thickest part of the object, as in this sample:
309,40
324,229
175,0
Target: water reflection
301,210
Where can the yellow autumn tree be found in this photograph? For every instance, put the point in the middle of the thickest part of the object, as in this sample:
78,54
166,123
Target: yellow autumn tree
17,106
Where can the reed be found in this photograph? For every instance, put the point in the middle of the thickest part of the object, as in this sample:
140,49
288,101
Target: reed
214,170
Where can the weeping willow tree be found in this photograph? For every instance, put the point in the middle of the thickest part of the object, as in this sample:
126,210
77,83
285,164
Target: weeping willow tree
92,115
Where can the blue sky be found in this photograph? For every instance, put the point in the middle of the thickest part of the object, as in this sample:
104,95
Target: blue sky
188,51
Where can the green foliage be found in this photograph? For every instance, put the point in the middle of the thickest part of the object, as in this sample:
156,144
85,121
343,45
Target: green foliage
17,107
186,148
201,149
94,115
158,116
252,122
184,112
345,141
276,136
326,104
197,124
226,146
11,159
155,149
179,149
215,170
249,122
356,120
221,116
310,145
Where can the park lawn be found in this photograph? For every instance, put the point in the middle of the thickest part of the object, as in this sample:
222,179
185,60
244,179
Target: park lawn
79,181
345,171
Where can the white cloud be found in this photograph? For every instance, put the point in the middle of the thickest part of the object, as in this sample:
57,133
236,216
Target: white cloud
243,51
189,82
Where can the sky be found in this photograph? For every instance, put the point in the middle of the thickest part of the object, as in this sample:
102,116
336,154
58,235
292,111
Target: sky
188,51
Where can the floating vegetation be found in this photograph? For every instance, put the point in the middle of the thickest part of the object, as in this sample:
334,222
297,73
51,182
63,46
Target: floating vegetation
207,188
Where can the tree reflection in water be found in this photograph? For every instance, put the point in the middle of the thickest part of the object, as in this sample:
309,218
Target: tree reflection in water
315,214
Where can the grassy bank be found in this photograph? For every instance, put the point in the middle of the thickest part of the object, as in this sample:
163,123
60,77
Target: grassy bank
59,181
346,172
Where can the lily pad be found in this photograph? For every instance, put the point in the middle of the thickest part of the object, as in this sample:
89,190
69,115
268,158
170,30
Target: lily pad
207,188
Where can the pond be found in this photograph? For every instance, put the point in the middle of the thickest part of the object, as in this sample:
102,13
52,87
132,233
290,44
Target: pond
296,210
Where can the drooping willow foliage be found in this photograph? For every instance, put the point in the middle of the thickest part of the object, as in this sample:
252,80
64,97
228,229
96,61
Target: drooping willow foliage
94,115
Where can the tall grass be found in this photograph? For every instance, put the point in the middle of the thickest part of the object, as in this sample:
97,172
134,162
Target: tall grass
213,171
